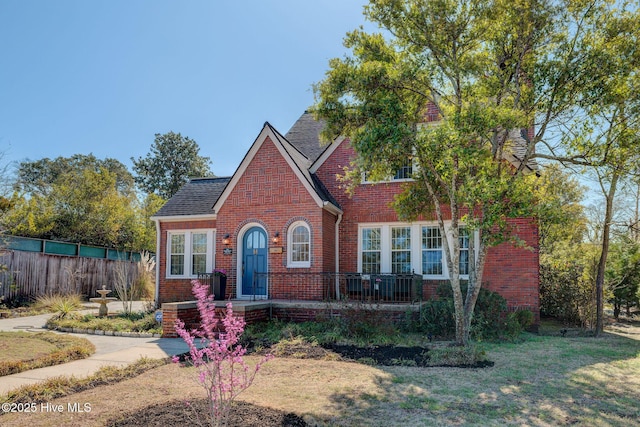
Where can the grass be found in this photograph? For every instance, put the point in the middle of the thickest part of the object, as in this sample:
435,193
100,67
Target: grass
133,322
21,351
64,386
542,380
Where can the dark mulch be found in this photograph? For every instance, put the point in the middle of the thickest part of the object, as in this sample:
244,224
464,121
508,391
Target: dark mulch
387,355
390,355
178,413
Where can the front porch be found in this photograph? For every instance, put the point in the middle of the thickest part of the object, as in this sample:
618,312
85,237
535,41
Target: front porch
299,297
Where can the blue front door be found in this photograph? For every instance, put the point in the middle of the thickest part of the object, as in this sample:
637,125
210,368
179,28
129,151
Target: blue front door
254,260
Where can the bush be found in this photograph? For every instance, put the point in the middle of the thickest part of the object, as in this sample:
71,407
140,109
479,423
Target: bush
62,305
490,320
566,285
436,318
365,323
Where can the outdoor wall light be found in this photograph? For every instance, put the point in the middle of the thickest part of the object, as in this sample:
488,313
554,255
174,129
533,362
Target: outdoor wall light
276,237
226,240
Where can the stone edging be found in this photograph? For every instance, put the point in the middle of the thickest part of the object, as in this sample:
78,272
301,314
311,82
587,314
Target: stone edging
109,333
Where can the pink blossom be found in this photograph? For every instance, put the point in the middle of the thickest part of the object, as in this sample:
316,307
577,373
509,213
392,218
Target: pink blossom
221,369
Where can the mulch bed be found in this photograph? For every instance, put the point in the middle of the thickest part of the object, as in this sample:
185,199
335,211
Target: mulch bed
177,413
386,355
390,355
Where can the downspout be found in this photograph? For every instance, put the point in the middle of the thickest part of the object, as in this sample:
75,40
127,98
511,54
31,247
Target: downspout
158,249
338,253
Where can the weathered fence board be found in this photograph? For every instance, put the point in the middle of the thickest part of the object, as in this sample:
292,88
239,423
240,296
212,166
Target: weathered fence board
32,274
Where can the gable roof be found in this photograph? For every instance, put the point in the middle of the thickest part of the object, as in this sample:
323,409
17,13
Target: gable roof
195,198
305,136
294,157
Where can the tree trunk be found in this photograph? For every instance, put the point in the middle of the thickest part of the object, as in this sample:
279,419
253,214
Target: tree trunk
602,263
476,269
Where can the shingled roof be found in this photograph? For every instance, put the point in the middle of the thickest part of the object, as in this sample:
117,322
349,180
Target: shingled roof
196,197
305,136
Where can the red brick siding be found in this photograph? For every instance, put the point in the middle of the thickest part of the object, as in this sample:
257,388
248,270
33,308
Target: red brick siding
329,241
270,194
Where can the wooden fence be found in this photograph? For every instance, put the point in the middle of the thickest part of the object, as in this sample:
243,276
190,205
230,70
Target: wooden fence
32,274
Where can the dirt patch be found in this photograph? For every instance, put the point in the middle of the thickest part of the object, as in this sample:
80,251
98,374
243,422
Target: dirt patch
177,413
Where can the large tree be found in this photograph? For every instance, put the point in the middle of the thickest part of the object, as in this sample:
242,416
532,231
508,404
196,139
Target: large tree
607,137
81,206
39,176
173,159
79,199
494,75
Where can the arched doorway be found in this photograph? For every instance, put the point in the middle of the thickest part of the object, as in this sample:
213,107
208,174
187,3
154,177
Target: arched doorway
254,260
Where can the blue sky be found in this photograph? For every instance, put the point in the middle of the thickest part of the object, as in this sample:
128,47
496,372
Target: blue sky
104,76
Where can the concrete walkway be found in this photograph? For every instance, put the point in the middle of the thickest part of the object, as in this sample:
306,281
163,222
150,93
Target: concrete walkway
110,350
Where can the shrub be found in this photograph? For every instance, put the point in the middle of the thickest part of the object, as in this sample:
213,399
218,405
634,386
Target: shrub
436,318
524,317
566,285
62,305
490,320
365,322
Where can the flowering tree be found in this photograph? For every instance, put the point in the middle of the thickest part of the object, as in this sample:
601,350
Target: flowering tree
217,356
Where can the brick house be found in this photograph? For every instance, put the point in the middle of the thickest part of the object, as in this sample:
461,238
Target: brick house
283,229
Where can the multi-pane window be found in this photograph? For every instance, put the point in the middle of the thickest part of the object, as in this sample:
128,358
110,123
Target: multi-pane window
400,250
299,245
371,250
463,238
190,252
431,251
198,253
405,171
177,254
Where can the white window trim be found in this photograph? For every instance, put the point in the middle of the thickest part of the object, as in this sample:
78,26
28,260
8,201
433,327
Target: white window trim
187,252
388,179
416,247
290,262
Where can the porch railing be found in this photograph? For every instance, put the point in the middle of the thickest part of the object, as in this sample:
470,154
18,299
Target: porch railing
329,286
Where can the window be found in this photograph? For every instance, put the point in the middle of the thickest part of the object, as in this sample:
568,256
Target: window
299,242
371,250
400,250
405,171
177,255
431,251
198,253
463,238
189,253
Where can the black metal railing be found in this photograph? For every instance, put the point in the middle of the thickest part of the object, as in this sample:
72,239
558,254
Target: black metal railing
329,286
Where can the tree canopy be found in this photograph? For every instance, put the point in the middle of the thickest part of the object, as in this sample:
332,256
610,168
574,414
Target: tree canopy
172,161
466,90
39,176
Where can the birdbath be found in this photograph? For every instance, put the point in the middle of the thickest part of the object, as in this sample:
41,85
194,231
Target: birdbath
103,300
